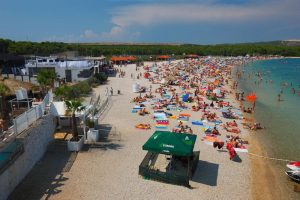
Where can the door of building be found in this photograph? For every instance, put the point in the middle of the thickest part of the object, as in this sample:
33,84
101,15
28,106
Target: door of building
68,75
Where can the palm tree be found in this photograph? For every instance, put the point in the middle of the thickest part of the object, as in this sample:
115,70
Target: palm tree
74,106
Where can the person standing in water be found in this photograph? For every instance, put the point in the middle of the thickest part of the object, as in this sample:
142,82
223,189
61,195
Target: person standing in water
293,91
279,97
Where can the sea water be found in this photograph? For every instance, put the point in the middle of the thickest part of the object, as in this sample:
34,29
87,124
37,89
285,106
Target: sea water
280,115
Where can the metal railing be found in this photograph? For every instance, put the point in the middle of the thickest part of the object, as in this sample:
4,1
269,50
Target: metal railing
95,111
23,121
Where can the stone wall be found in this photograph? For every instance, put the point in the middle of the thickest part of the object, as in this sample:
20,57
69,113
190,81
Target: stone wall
36,140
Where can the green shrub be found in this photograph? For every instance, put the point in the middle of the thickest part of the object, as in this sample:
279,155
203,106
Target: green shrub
82,88
101,77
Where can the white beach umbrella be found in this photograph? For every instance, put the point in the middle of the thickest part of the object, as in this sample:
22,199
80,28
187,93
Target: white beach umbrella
216,91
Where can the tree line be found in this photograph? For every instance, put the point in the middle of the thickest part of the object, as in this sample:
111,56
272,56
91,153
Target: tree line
48,48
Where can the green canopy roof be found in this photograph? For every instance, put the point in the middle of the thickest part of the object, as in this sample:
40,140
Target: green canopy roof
164,142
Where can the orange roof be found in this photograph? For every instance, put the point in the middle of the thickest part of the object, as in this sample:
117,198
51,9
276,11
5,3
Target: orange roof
122,58
163,57
192,56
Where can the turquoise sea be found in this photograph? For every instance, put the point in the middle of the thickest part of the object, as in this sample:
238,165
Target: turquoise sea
281,137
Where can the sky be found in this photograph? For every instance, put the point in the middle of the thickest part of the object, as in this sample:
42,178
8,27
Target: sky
153,21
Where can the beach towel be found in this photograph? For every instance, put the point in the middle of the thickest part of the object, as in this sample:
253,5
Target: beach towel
182,118
166,96
209,140
243,149
185,97
161,127
162,122
184,115
197,123
217,122
137,108
171,107
160,116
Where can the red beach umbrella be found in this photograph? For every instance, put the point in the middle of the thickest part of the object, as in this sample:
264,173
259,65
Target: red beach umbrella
251,97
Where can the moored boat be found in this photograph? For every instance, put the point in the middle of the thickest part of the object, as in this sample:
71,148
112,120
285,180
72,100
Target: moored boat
295,165
294,175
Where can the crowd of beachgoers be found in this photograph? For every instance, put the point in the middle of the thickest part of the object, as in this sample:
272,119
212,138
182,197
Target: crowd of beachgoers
195,96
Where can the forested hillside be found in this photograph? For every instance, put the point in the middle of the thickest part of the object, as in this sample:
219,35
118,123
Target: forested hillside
48,48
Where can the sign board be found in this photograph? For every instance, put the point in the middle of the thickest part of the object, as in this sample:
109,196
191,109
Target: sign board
21,94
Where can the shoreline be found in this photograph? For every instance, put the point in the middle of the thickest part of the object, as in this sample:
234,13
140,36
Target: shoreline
292,57
264,184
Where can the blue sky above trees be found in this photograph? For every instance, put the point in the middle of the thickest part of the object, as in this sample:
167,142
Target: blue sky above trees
183,21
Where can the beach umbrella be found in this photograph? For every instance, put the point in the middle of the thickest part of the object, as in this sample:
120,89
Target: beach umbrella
216,82
216,91
251,97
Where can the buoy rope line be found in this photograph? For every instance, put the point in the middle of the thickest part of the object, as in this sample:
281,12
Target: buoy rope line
270,158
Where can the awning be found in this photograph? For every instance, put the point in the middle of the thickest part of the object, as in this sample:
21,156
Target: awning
122,58
163,57
192,56
164,142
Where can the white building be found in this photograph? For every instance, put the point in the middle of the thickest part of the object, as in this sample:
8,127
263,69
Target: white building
72,70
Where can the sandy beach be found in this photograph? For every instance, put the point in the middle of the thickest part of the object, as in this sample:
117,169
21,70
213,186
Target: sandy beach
113,173
109,169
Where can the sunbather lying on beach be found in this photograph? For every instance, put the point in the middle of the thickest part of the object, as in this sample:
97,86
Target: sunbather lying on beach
215,131
231,124
143,112
229,115
195,108
143,126
232,130
139,99
211,117
182,105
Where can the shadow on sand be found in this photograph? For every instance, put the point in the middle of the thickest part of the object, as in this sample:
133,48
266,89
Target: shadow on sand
107,138
237,158
206,173
46,177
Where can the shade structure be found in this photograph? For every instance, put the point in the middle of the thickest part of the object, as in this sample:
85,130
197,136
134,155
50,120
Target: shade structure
163,57
122,58
192,56
165,142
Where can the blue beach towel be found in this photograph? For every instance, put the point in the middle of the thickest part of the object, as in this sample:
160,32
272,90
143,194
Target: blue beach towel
197,123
